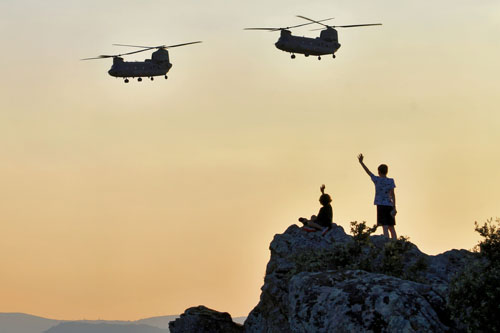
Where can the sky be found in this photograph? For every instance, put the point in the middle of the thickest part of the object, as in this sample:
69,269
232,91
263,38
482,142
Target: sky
127,201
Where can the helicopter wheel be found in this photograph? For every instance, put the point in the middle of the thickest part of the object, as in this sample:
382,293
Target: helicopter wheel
139,79
152,78
306,55
126,81
166,77
293,56
334,56
319,58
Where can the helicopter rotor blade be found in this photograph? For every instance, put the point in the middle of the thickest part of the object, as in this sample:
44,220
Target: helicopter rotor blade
133,52
300,25
313,21
104,56
177,45
157,47
338,26
268,29
291,27
142,47
355,25
91,58
347,26
100,57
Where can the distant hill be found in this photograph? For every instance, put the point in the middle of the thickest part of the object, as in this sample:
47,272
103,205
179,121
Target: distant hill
160,322
239,320
79,327
23,323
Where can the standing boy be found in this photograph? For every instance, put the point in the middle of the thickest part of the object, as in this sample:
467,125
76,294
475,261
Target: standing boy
385,199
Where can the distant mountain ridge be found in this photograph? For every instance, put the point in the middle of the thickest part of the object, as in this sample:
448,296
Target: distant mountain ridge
80,327
24,323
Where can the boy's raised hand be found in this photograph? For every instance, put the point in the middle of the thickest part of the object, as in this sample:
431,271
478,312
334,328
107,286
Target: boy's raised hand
322,188
360,158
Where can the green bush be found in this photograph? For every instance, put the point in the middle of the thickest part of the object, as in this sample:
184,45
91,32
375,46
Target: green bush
361,233
393,261
361,254
474,296
490,246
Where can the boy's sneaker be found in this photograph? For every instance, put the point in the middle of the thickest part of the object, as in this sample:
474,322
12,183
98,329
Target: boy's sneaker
303,220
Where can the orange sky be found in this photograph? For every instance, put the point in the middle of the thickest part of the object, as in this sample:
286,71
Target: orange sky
131,201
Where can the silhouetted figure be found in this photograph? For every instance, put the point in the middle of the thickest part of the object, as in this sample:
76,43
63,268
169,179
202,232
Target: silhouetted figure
322,222
385,198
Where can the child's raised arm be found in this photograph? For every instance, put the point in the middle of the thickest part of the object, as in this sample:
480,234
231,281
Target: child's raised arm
360,158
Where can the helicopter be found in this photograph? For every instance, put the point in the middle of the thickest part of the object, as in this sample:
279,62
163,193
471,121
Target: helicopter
158,65
326,43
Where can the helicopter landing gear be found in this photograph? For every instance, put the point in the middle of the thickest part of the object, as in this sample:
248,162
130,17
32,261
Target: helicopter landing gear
306,55
319,57
139,79
152,78
166,77
293,56
334,56
126,81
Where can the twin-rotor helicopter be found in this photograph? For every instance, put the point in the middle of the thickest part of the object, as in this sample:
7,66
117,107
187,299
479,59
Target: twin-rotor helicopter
326,43
159,64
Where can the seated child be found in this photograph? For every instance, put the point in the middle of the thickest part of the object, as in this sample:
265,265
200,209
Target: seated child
323,221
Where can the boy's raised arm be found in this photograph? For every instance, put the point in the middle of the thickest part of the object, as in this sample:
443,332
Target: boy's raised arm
360,158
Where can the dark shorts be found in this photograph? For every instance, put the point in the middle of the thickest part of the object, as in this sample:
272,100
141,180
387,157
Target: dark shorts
384,216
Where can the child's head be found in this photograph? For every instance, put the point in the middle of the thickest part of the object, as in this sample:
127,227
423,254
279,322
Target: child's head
382,170
325,199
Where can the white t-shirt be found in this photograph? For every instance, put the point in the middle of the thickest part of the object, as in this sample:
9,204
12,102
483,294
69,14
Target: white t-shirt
383,186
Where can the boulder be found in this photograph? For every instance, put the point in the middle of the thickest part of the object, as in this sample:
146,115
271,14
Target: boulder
358,301
201,319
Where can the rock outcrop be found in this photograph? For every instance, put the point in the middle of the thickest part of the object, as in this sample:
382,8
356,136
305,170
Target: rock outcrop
204,320
341,283
358,301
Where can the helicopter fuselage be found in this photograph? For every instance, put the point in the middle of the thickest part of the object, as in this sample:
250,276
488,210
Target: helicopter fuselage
147,68
158,65
327,43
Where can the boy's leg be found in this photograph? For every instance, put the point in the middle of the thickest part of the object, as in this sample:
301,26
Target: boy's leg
314,225
393,232
310,225
386,232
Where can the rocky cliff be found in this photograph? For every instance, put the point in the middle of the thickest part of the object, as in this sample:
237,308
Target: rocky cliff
343,283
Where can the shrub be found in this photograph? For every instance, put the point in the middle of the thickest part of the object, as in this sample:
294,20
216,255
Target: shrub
393,261
361,233
490,246
361,254
474,296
